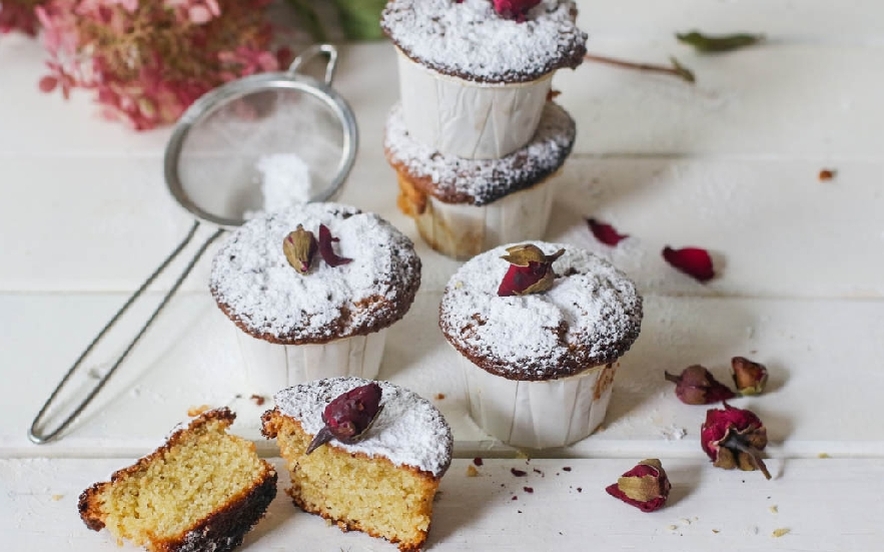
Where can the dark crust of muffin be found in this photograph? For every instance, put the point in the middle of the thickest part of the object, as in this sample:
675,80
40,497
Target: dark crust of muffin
385,312
386,308
576,360
528,172
576,363
221,531
274,421
571,57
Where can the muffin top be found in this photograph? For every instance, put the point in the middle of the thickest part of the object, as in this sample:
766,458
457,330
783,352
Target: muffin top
471,41
453,179
257,288
408,430
589,317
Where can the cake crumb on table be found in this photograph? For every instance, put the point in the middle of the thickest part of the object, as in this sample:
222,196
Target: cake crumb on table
195,411
827,174
440,396
472,471
774,509
777,533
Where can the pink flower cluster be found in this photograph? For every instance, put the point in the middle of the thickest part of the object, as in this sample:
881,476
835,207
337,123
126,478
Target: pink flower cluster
148,60
18,15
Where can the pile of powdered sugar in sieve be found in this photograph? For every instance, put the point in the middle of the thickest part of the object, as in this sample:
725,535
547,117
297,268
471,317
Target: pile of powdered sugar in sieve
287,144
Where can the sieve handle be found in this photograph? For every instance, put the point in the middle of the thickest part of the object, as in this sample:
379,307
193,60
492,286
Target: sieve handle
314,51
37,432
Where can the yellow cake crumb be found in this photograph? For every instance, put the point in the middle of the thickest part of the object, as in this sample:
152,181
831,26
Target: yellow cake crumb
777,533
472,471
195,411
773,509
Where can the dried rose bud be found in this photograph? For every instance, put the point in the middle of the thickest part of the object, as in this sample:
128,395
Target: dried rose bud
299,248
530,270
645,486
696,385
514,9
349,416
749,377
693,261
734,438
325,248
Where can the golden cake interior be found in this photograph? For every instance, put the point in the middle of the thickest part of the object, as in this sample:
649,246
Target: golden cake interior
200,472
354,491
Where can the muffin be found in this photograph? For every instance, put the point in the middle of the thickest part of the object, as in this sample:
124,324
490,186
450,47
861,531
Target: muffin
202,490
329,320
382,484
539,365
474,82
465,206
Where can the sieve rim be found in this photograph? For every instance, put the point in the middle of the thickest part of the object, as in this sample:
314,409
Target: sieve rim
211,101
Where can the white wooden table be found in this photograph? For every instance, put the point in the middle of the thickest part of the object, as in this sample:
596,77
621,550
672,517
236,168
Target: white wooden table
730,164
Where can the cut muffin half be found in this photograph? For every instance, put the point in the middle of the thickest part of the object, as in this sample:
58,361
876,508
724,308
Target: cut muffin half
202,490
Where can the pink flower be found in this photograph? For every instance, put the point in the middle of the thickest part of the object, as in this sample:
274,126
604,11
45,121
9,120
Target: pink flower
18,15
147,61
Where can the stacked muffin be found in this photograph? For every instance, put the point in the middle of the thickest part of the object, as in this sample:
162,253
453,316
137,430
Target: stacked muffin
476,140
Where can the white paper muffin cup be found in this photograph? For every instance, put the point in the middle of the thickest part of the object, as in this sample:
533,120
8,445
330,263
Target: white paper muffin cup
539,414
469,119
270,366
462,231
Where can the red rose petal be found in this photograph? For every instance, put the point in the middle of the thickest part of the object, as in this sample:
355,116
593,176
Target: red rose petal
693,261
325,248
514,9
649,506
519,278
605,233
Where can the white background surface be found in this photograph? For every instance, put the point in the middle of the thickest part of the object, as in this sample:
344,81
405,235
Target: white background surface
730,164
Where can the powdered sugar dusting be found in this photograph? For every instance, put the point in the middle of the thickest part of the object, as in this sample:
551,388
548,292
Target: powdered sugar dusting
409,431
285,181
254,282
591,316
481,181
469,39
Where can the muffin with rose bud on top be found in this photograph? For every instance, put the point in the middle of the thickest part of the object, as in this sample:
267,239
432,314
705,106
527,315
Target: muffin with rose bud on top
540,328
313,289
475,74
367,456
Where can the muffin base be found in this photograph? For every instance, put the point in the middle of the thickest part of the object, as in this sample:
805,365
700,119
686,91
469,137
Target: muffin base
539,414
462,231
272,366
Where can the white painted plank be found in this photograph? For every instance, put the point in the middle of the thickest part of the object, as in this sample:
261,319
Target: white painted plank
781,100
824,357
774,228
786,98
804,20
825,505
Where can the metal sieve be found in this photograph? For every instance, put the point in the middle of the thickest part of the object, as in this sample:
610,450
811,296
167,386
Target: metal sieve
229,156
